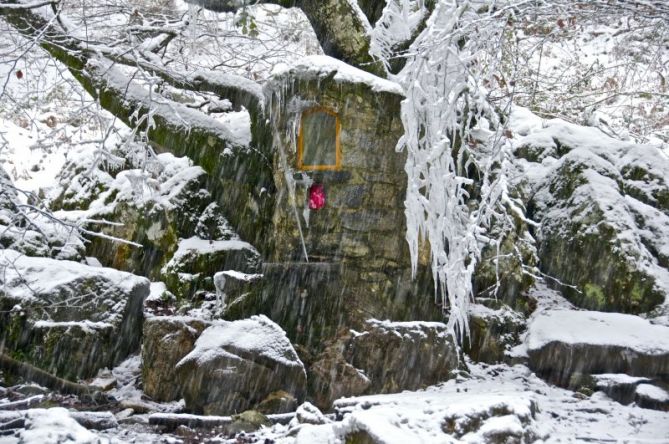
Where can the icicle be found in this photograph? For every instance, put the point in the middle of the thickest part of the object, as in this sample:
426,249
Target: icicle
444,96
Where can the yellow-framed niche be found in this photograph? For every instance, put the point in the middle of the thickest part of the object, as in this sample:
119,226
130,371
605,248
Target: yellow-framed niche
318,145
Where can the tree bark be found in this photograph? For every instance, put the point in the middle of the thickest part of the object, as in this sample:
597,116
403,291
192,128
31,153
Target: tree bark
32,373
340,29
176,128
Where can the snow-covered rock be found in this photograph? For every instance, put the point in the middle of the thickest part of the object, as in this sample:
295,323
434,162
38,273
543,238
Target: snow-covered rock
618,386
237,364
386,357
67,317
565,344
652,397
492,331
601,205
31,230
54,425
404,355
196,261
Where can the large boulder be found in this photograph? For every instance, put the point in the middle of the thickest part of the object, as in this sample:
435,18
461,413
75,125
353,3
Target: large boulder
385,350
153,202
236,365
68,318
386,357
493,330
565,345
332,377
600,212
151,210
590,238
167,339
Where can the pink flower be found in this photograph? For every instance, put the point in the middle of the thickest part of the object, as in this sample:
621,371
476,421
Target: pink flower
316,196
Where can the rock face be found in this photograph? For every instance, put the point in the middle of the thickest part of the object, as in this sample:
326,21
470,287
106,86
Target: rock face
196,261
565,345
31,233
154,212
165,200
359,263
386,357
167,339
604,221
492,332
332,376
404,355
236,365
68,318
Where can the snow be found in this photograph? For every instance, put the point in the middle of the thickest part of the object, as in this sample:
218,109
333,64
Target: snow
257,335
202,246
29,278
506,399
87,326
652,392
176,114
320,66
409,328
128,375
156,292
612,379
54,425
399,21
418,416
246,277
598,328
610,187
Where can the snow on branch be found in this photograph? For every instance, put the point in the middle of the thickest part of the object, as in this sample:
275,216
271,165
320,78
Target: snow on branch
457,153
34,5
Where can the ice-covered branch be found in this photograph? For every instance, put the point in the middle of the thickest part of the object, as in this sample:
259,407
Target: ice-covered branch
95,67
340,28
457,157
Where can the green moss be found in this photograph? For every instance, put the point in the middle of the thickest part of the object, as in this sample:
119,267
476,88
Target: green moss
594,296
359,438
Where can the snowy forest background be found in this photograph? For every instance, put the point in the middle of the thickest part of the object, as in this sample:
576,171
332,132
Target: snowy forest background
519,118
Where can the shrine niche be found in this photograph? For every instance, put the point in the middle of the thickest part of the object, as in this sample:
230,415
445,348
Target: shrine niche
318,146
338,226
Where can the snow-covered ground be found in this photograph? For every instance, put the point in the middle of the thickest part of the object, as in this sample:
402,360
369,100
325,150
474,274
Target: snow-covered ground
475,407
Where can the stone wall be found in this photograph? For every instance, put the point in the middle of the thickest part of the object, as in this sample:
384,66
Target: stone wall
362,227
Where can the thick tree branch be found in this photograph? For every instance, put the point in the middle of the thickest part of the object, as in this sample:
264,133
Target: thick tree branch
340,29
171,126
76,55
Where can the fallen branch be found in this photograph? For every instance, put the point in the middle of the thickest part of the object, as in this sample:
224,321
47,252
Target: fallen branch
89,420
23,403
174,420
32,373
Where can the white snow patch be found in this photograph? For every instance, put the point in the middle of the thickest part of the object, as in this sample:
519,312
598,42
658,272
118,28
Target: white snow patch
202,246
652,392
258,335
597,328
323,66
29,277
608,379
549,413
54,425
87,326
246,277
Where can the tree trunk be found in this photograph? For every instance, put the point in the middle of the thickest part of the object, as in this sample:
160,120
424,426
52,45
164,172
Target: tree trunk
341,30
245,172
